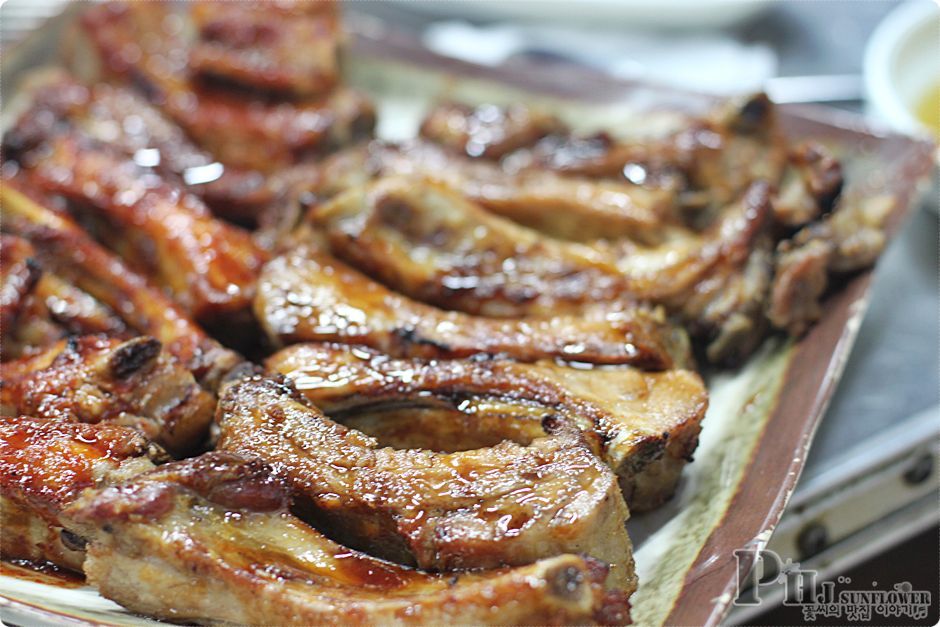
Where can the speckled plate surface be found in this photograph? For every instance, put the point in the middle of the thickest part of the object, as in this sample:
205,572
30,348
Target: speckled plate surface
762,417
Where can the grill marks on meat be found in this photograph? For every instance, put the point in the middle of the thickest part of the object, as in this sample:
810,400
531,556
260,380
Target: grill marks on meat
644,425
44,466
503,505
209,540
727,302
239,128
429,243
96,379
288,48
307,295
66,249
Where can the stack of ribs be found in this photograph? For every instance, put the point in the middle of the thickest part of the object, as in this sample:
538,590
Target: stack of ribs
259,367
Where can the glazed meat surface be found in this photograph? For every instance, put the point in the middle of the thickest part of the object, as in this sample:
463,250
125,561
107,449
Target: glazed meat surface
19,273
644,425
281,47
98,379
39,308
210,539
503,505
209,266
238,128
125,121
570,208
307,295
427,242
44,466
487,130
65,248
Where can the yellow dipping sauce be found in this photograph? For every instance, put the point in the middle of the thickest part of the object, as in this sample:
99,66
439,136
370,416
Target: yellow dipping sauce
928,109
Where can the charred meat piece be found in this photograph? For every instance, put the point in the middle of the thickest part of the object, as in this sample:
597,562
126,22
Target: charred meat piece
845,241
239,129
669,273
210,540
68,251
801,276
307,295
123,119
209,266
282,47
565,207
427,242
97,379
44,466
644,425
39,308
809,187
726,312
19,273
487,131
502,505
717,155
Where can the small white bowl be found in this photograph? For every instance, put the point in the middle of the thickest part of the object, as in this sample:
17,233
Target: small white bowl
902,61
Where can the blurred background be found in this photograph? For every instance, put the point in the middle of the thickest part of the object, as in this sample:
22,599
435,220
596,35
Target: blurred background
866,506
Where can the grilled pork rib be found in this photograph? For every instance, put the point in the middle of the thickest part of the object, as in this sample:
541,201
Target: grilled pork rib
644,425
19,273
308,296
39,308
487,131
238,128
147,136
281,48
570,208
209,266
66,249
429,243
503,505
210,539
45,465
97,379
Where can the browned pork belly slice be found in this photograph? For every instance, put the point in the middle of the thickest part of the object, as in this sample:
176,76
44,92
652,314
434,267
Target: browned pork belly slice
428,242
210,540
98,379
44,466
502,505
254,131
307,295
65,248
644,425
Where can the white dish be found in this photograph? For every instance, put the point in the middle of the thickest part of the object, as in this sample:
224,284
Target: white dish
609,13
902,61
